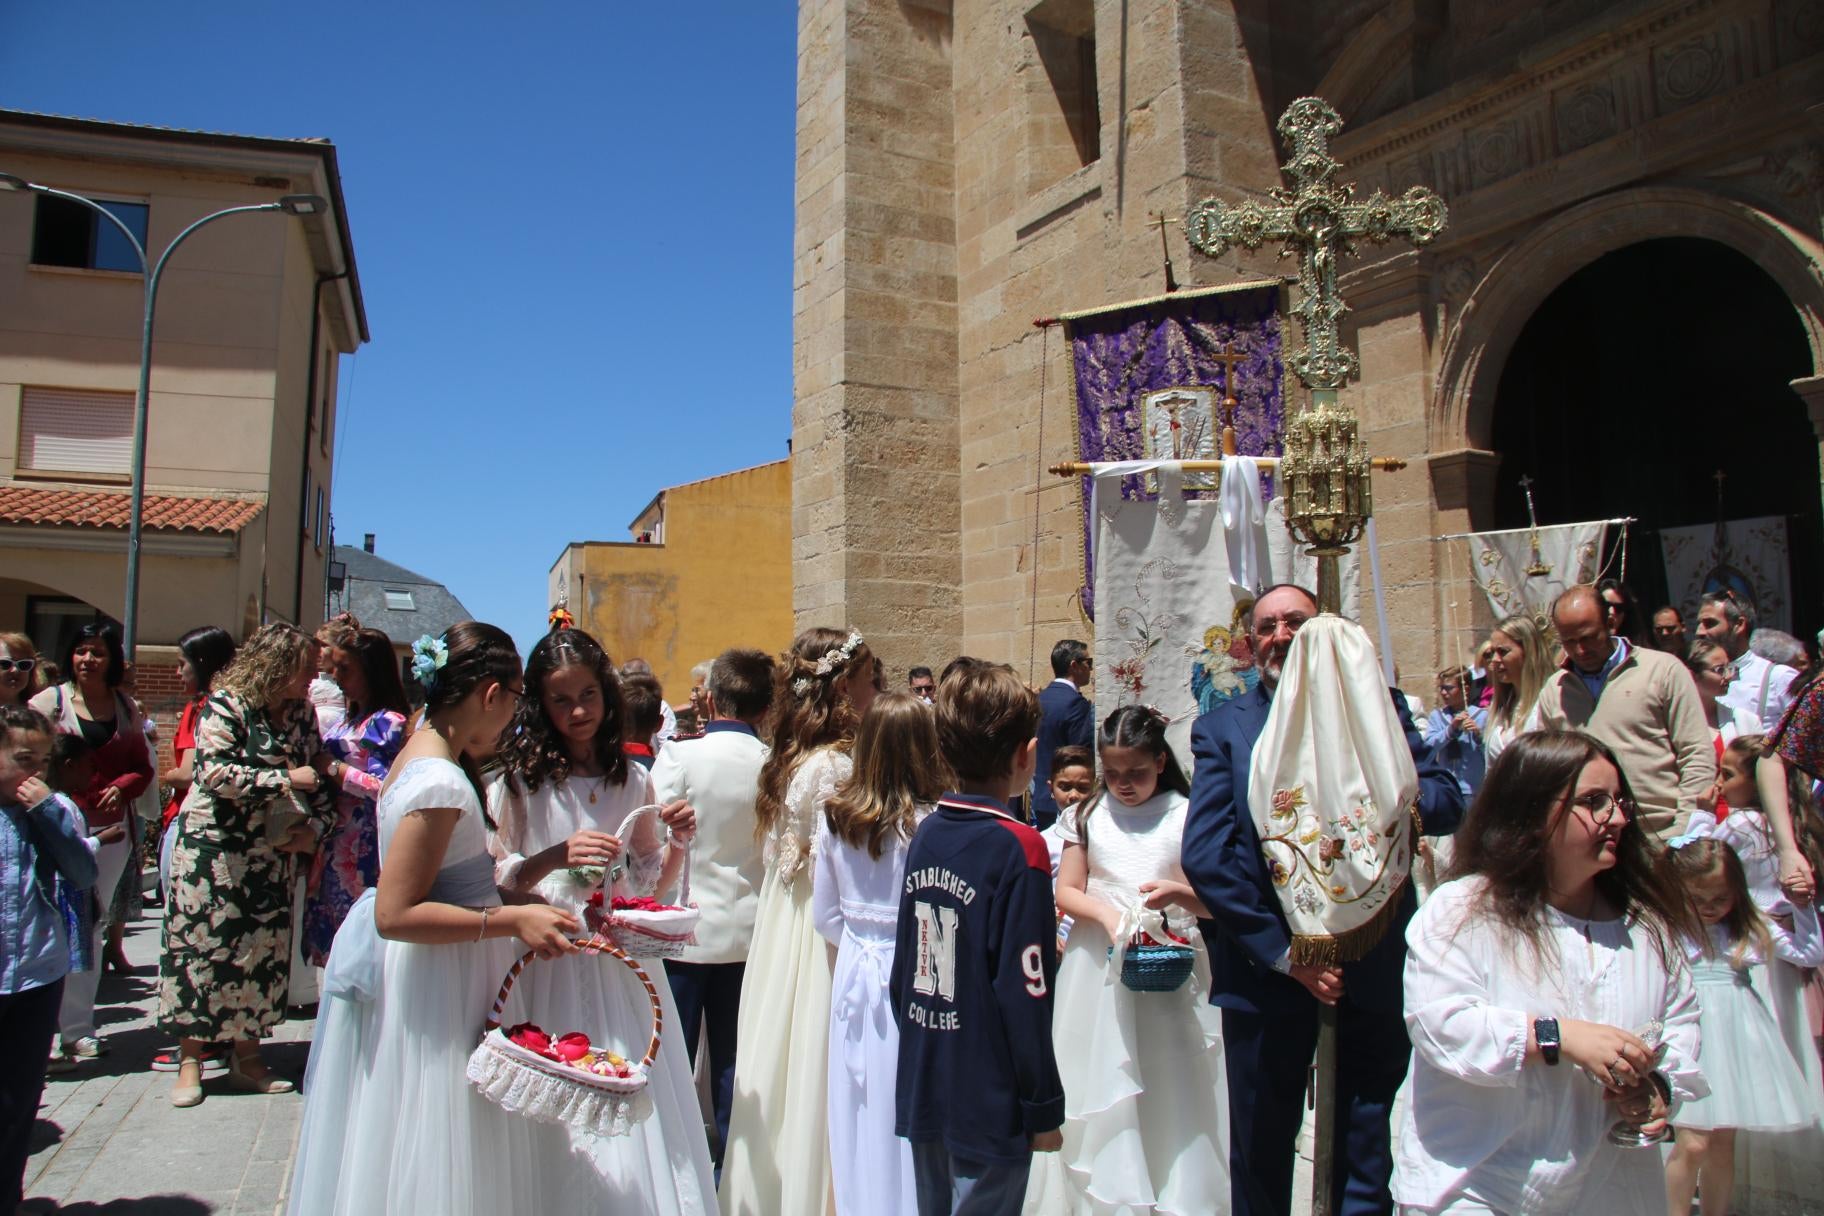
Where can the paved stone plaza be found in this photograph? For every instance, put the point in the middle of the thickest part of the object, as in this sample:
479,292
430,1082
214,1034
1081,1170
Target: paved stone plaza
109,1141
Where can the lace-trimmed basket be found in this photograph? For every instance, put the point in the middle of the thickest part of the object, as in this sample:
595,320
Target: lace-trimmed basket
649,934
526,1083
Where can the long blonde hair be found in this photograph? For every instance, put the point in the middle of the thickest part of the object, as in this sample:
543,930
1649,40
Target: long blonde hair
265,664
810,710
897,767
1513,702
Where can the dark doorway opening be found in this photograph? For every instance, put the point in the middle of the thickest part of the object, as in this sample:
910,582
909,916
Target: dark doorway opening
1636,380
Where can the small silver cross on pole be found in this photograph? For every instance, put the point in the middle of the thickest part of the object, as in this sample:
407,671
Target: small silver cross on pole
1538,568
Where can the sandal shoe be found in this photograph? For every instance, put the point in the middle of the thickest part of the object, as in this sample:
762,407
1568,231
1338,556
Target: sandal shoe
265,1083
214,1065
187,1095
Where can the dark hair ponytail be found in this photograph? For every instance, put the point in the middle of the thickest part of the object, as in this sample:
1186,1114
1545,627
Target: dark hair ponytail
478,653
209,649
1143,727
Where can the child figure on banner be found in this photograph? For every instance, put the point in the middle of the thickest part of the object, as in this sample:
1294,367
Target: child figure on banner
568,787
861,862
1145,1093
1755,1084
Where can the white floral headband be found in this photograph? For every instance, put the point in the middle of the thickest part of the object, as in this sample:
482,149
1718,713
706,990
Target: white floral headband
833,660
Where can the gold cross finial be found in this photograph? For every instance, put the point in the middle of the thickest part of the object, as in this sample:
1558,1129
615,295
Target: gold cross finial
1318,221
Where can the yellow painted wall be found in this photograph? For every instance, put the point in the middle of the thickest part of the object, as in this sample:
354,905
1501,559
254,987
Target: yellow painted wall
722,578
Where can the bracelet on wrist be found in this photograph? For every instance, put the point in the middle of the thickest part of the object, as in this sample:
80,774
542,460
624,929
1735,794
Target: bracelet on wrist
484,924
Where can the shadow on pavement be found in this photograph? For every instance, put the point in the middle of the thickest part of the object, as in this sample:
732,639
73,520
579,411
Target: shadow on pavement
151,1205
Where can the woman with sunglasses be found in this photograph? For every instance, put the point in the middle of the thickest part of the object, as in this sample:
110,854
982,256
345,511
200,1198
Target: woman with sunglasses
18,669
1548,997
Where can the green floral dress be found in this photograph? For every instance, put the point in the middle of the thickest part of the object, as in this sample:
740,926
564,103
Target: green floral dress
227,948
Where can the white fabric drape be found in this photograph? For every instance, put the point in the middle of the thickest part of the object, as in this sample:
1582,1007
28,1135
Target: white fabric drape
1244,527
1331,790
1500,563
1165,607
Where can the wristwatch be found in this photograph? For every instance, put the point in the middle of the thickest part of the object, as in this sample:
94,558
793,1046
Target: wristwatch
1545,1033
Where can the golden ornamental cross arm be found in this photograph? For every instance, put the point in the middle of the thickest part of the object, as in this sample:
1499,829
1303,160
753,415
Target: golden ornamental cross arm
1318,221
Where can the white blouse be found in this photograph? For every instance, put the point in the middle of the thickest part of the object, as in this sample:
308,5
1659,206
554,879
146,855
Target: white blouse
1483,1124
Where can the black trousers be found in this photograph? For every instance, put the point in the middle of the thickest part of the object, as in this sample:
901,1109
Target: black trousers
28,1020
710,992
1269,1058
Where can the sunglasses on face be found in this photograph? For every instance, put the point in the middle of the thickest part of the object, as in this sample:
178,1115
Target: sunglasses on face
22,666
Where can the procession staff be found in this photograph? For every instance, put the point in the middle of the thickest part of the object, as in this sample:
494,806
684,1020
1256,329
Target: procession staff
1269,1003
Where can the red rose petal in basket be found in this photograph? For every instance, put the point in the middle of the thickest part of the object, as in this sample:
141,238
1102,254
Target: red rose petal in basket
595,901
573,1046
529,1036
642,903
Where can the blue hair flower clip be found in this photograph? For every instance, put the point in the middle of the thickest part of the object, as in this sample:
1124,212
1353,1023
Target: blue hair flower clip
429,656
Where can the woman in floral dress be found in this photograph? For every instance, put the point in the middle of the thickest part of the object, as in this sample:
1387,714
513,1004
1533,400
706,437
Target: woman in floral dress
227,947
357,751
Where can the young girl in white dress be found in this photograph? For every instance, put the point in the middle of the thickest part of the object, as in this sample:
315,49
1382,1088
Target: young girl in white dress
1755,1084
778,1157
390,1121
560,805
1146,1109
1774,1170
861,862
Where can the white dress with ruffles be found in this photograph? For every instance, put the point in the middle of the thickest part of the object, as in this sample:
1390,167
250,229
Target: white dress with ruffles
658,1155
391,1123
1145,1094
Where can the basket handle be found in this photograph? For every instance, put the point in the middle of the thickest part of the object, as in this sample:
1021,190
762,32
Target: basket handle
587,945
689,850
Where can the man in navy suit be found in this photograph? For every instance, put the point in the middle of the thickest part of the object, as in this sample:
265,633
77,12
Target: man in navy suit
1269,1003
1066,718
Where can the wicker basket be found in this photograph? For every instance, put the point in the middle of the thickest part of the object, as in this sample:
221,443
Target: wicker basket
1150,965
645,934
549,1091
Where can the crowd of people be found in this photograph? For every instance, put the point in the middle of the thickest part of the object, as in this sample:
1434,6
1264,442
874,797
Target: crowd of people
961,948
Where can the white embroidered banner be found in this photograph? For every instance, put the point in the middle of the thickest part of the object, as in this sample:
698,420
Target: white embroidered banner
1517,577
1167,633
1751,559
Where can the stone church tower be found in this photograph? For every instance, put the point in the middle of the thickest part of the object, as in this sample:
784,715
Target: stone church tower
1630,293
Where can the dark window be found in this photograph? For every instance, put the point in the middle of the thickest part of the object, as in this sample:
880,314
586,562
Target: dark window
70,234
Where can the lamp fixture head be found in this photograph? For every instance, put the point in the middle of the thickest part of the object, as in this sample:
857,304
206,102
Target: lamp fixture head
12,181
303,204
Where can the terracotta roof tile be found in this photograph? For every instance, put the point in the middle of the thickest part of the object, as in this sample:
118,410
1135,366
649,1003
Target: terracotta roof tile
108,509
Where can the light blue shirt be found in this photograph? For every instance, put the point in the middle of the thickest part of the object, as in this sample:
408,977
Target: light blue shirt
1595,681
34,940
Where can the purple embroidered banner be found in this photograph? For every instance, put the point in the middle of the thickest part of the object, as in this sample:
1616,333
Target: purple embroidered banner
1136,374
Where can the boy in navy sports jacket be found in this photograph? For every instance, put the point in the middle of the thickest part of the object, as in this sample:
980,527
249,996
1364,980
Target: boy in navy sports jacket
974,963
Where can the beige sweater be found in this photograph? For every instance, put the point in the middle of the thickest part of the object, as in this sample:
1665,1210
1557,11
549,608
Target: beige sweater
1652,719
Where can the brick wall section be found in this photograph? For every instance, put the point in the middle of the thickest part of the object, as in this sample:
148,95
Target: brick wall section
160,694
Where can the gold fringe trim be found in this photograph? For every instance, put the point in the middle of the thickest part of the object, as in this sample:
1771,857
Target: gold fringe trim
1326,950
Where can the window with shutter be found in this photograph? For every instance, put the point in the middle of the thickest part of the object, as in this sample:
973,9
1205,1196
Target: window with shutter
75,431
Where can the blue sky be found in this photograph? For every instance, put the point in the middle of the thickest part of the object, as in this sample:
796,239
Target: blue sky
573,224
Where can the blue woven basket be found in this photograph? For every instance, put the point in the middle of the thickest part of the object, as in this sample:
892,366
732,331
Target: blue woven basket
1155,968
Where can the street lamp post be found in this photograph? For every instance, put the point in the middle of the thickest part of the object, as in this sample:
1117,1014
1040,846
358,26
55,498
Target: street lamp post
152,272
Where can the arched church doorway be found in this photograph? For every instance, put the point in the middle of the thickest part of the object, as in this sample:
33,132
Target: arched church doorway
1640,377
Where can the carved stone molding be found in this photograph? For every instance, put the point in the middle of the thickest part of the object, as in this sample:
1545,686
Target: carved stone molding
1464,479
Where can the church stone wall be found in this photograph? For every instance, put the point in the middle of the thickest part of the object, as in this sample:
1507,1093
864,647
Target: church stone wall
1518,115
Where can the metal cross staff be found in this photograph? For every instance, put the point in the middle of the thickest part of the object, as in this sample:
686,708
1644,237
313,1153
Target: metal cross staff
1325,468
1538,568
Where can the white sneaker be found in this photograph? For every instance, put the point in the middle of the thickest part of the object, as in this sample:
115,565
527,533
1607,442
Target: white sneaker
86,1048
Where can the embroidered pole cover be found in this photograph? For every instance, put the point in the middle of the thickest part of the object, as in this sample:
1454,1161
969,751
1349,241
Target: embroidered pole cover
1332,790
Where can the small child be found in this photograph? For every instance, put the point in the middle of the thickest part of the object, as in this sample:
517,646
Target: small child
41,848
1755,1084
645,702
861,860
70,770
1453,731
1139,1068
974,962
1073,780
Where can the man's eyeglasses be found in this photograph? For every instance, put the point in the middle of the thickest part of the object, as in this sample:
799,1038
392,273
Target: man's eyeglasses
1602,807
22,666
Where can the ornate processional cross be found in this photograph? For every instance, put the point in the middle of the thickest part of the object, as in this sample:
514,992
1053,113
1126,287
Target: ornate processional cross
1319,221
